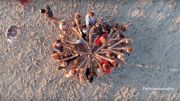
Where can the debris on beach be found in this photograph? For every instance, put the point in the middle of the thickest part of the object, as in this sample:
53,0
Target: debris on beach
12,33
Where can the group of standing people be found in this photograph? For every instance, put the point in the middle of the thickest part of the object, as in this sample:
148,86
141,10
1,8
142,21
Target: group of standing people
90,48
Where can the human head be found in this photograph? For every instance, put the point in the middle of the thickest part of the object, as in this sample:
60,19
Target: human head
73,71
100,19
55,55
124,27
58,42
105,67
43,11
121,57
78,16
103,40
63,64
97,25
105,28
115,26
75,62
91,14
63,22
129,50
110,54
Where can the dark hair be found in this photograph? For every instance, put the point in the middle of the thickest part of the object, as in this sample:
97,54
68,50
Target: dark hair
91,13
58,41
54,52
104,28
83,26
116,25
123,28
74,24
43,10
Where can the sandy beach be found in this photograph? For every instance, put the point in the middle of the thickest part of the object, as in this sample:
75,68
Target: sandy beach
152,72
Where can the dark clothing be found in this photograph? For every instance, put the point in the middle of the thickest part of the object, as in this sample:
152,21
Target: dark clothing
58,49
49,12
84,36
99,31
89,76
59,68
68,61
23,2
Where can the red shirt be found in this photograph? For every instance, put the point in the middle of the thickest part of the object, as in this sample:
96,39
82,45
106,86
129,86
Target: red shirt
99,41
23,1
103,61
108,70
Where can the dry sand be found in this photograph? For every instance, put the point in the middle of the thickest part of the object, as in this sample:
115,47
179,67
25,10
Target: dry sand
28,74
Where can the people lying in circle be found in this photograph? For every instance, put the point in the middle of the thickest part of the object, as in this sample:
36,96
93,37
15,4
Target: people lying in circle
105,42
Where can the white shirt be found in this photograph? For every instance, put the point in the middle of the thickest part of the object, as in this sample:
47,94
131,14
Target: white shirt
90,20
77,41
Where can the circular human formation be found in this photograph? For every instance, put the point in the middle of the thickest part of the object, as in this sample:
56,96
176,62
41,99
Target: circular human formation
90,48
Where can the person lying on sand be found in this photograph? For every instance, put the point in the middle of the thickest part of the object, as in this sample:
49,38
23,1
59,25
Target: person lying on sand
90,75
106,64
62,65
121,57
81,74
101,40
76,31
99,25
71,72
103,35
63,26
100,20
119,29
57,56
126,50
92,34
48,12
78,19
124,27
99,72
110,54
57,46
74,26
